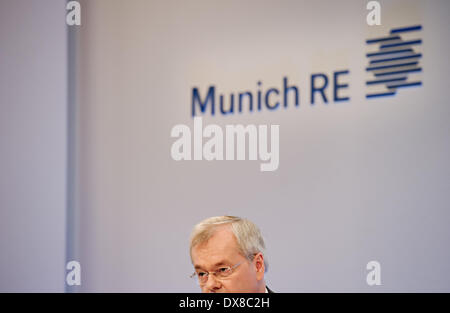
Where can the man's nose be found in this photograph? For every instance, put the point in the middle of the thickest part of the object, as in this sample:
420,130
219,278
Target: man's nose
213,283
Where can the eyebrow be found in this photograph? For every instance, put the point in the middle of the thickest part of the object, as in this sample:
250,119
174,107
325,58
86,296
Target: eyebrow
215,265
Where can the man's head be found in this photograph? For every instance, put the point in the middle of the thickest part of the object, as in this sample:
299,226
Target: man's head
230,245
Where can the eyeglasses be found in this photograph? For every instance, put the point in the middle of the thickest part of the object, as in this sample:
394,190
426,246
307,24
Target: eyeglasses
223,272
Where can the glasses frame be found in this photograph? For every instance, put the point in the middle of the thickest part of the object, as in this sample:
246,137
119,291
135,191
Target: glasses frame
215,273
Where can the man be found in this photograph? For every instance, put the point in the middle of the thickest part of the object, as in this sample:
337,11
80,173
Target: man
228,255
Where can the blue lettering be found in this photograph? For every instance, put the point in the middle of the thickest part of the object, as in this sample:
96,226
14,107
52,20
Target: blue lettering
339,86
267,99
209,98
321,89
287,89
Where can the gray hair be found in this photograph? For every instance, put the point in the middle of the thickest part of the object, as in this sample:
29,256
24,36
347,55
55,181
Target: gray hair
248,236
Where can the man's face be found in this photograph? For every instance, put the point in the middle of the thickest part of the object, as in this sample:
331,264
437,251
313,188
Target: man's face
221,250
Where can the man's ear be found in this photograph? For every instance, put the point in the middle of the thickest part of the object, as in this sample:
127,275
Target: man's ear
258,262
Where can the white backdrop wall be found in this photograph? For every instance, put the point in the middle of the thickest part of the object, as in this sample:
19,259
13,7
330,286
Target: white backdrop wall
358,180
33,145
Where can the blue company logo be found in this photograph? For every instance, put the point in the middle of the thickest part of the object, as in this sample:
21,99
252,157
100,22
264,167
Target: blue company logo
389,66
394,60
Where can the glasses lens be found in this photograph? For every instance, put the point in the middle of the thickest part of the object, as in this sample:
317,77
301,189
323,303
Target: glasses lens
202,277
224,272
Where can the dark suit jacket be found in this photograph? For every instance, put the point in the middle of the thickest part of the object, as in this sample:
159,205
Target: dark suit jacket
268,290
